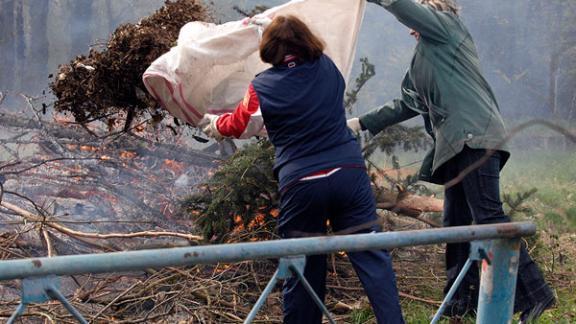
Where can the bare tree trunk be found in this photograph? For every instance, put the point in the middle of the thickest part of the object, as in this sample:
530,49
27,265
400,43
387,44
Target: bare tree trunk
82,21
553,82
10,44
35,61
572,112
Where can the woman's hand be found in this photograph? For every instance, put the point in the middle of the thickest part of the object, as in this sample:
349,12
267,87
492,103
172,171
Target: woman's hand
262,21
354,125
208,125
258,20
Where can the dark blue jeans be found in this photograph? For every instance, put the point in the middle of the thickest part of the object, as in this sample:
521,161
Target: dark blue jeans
477,199
346,200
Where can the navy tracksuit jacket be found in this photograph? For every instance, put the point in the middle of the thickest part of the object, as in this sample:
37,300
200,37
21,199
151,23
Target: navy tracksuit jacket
322,177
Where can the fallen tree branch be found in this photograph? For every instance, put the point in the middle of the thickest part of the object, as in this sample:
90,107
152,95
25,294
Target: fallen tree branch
32,314
401,294
114,300
49,246
410,205
41,163
47,136
81,137
68,231
420,299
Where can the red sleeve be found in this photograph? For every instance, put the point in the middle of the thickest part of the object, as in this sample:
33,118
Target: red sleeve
234,124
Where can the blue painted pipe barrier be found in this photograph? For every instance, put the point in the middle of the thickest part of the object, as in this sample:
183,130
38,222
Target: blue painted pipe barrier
228,253
498,282
452,291
497,287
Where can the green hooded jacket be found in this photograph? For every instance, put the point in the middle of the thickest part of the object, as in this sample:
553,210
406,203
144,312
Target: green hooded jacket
444,84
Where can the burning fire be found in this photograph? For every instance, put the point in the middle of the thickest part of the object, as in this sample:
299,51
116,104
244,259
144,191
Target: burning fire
63,119
221,268
175,166
275,212
84,148
88,148
127,155
259,220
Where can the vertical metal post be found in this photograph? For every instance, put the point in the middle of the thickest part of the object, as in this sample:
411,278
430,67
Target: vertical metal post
498,282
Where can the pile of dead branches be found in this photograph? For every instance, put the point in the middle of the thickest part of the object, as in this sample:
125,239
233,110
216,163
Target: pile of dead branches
106,82
220,293
72,187
242,193
76,194
73,181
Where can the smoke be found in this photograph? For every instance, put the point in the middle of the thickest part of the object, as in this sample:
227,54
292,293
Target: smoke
37,36
524,46
516,40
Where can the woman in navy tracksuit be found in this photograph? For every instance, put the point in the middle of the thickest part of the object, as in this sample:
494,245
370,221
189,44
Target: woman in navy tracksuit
321,172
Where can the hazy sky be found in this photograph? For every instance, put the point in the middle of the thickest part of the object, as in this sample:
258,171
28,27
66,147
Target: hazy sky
514,51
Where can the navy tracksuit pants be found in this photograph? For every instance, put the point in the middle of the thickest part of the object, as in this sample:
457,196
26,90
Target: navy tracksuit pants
345,199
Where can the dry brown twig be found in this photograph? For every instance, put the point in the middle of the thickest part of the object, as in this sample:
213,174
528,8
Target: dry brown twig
65,230
56,144
49,247
95,317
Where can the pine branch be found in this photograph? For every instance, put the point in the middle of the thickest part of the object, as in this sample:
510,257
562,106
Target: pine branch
368,71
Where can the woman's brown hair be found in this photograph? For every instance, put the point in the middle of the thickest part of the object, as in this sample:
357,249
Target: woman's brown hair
288,35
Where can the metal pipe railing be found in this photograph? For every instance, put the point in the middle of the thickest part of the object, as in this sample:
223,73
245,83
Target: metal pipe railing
146,259
498,282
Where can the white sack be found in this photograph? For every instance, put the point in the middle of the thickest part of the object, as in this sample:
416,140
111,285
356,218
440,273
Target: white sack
211,67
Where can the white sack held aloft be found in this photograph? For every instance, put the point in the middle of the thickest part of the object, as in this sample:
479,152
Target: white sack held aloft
211,68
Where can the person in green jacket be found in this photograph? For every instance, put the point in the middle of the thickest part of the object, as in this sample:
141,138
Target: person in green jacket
444,84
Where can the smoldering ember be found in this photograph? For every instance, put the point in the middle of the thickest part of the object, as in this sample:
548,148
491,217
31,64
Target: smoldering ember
95,163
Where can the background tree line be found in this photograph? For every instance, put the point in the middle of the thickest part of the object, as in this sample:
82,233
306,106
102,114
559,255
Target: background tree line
527,47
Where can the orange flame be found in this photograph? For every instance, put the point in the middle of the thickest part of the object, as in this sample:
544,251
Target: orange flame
88,148
275,212
258,220
127,155
175,166
63,119
220,268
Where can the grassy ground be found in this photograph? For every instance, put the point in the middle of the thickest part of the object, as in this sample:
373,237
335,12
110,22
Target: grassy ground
552,207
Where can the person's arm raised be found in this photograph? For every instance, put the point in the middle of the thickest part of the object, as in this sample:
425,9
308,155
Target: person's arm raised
427,21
